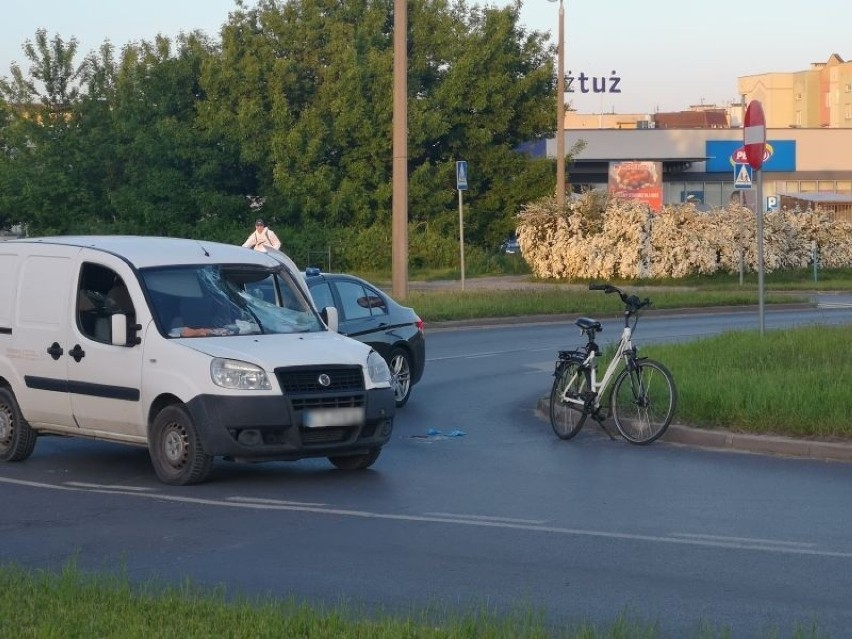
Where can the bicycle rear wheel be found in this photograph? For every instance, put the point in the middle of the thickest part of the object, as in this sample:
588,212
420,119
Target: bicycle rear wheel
567,418
644,398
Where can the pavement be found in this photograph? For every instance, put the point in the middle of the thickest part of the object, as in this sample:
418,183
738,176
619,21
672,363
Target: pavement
677,433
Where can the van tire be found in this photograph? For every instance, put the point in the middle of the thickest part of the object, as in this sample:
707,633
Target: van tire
17,438
175,447
356,462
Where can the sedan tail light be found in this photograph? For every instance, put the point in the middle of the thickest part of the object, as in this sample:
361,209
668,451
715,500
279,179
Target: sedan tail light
419,324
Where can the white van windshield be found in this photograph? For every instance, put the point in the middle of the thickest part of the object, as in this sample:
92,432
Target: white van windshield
218,300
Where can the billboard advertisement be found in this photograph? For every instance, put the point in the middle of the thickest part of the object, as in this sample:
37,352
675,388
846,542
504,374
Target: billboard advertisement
638,181
723,155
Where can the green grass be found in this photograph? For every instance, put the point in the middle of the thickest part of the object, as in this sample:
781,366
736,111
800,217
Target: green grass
35,605
792,382
453,304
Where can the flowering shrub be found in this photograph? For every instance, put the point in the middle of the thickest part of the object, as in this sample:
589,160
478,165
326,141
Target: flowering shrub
596,236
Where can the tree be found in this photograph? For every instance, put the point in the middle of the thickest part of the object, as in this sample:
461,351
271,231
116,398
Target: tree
305,89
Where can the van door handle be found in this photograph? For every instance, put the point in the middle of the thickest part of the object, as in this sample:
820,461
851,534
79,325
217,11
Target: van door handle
77,353
55,350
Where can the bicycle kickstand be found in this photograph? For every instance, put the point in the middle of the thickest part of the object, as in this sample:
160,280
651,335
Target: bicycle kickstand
600,420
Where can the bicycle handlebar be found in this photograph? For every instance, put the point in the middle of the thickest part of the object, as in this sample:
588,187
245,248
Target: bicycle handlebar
632,302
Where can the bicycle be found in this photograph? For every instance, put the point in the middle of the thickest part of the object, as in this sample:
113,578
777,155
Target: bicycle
643,398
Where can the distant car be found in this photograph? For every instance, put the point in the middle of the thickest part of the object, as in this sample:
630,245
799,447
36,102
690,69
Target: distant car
510,246
373,317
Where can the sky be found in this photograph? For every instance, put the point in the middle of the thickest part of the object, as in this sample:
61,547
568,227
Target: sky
665,54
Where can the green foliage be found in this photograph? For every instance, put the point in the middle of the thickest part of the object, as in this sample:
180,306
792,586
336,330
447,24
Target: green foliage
290,112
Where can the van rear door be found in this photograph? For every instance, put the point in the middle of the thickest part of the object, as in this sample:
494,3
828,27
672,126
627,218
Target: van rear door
40,330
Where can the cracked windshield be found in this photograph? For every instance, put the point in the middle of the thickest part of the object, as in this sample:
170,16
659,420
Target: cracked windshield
214,301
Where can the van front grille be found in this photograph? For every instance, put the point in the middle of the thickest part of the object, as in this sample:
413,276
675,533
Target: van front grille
320,379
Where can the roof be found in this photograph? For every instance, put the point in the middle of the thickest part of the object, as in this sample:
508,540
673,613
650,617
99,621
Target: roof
712,119
145,252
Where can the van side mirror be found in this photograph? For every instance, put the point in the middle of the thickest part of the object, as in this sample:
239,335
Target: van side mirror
118,327
330,317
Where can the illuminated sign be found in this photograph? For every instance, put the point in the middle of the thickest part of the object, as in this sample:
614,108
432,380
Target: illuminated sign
724,155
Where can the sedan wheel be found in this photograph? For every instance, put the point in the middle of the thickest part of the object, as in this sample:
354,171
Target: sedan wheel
400,368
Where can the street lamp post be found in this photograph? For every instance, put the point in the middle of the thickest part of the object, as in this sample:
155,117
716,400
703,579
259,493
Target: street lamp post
560,108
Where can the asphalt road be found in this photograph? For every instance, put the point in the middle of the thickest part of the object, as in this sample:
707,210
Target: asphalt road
474,504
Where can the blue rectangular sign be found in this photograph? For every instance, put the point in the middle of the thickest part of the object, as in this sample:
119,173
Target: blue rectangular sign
722,155
461,175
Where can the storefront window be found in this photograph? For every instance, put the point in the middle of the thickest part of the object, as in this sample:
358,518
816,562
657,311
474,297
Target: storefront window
844,186
791,187
807,186
826,185
713,196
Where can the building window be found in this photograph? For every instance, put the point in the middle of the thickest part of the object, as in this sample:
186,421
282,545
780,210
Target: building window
826,185
798,118
848,87
807,186
847,112
844,186
791,187
798,96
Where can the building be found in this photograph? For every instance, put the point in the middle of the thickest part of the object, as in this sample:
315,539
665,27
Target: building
820,96
702,162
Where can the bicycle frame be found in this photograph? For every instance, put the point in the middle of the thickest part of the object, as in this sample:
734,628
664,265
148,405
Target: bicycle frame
589,366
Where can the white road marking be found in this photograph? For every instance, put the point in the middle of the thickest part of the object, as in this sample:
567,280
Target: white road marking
81,484
460,520
748,540
280,502
487,518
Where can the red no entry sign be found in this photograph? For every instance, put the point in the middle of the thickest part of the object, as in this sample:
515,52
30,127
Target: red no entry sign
754,134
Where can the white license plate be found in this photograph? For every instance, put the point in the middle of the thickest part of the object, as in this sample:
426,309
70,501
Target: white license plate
322,418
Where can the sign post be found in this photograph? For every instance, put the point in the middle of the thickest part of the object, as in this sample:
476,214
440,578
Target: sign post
461,185
754,141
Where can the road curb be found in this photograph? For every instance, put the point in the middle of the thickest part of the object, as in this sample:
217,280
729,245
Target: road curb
721,439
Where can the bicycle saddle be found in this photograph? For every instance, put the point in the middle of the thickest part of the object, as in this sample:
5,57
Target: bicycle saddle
587,324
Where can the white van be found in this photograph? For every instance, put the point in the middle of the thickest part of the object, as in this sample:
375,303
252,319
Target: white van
193,349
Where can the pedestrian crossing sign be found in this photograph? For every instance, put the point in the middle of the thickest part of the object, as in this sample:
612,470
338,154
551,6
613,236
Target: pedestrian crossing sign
742,176
461,175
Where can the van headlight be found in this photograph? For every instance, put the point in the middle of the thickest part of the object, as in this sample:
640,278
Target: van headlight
234,374
377,369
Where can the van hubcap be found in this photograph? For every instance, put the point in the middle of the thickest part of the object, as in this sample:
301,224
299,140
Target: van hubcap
175,447
5,425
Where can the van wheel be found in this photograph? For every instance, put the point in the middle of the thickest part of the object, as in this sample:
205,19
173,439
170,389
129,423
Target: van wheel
17,439
356,462
175,448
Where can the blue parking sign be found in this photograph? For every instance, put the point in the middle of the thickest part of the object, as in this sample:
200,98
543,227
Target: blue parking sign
461,175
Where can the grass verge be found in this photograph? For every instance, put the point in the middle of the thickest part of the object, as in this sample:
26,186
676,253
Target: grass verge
445,305
72,604
789,382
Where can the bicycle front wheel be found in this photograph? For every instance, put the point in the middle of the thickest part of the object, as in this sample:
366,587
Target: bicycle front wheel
567,418
644,398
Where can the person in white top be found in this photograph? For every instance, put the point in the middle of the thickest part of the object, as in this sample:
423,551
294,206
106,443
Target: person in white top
262,238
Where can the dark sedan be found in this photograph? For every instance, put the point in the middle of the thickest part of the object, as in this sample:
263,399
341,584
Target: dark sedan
371,316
